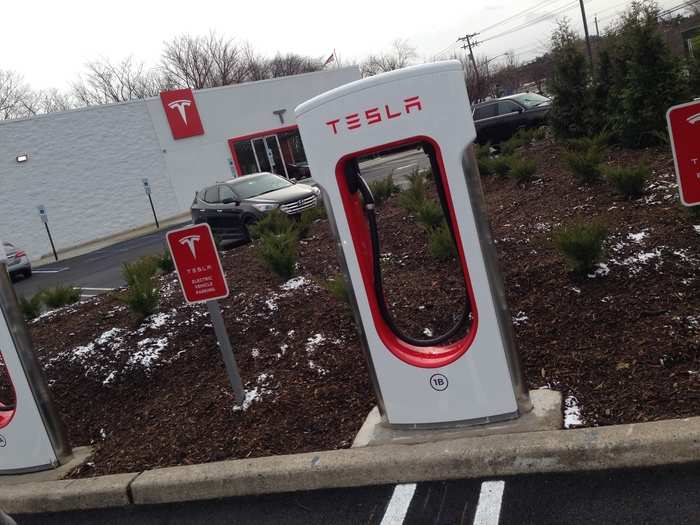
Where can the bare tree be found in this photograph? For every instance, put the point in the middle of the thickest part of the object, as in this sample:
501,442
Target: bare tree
400,55
257,66
16,98
52,100
204,61
107,82
293,64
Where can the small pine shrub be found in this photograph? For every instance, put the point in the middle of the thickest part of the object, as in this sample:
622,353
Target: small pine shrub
539,133
139,270
413,198
501,165
382,189
338,288
482,151
522,170
430,214
142,295
275,223
306,219
31,308
585,165
582,245
61,296
279,252
165,262
486,166
441,243
629,182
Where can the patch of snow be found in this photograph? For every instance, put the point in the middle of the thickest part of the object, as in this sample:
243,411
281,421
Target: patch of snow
255,352
543,227
601,271
110,378
520,318
250,396
283,350
148,352
82,352
320,370
103,434
108,336
295,283
313,342
575,290
427,332
697,229
635,262
271,304
693,321
572,413
637,237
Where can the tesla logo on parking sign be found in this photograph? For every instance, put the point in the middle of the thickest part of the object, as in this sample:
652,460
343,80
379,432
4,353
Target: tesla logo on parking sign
197,263
182,113
684,128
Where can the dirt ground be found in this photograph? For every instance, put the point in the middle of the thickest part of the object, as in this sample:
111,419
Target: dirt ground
623,345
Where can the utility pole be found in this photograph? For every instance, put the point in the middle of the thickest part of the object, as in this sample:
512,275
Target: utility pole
588,37
470,45
597,30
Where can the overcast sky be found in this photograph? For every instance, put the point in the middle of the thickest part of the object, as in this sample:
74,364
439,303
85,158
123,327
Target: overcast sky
49,42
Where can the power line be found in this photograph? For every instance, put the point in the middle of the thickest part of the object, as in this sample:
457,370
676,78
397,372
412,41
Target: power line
518,15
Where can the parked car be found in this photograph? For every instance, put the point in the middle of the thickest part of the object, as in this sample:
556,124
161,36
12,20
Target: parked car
17,261
498,120
230,207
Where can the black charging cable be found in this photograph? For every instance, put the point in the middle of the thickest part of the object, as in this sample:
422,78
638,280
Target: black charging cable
357,183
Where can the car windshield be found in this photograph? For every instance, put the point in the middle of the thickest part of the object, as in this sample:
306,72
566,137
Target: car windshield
531,100
259,185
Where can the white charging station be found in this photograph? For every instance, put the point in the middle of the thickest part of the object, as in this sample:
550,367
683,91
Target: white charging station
476,379
31,435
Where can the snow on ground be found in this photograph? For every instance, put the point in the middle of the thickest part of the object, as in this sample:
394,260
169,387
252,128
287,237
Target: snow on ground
601,271
295,283
636,262
520,318
148,352
638,237
313,342
255,393
572,413
313,366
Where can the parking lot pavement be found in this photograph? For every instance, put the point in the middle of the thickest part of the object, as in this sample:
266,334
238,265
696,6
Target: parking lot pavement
400,165
96,272
660,495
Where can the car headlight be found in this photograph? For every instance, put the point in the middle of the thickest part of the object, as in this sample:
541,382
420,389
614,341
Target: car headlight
265,207
317,191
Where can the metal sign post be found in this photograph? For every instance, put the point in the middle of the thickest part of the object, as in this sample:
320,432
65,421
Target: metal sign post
32,436
147,189
202,280
45,219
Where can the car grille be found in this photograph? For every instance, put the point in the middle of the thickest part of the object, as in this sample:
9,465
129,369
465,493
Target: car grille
299,206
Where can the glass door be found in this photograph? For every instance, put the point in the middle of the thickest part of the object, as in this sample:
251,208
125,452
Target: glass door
268,155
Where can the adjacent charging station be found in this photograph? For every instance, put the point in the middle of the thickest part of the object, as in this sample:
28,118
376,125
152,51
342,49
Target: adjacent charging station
32,437
471,374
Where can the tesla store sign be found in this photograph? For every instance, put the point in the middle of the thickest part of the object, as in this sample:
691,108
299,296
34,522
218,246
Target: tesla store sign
181,111
197,263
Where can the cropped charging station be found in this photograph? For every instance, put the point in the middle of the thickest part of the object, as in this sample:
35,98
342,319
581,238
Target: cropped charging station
32,437
472,374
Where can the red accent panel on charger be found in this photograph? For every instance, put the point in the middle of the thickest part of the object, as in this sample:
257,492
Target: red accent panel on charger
431,357
684,128
197,263
182,113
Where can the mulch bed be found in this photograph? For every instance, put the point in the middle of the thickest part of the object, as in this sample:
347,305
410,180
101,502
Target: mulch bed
623,345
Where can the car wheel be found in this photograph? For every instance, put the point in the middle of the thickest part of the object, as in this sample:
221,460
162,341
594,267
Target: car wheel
27,273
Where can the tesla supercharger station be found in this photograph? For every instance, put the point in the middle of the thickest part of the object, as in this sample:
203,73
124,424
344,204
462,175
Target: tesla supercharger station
449,380
32,437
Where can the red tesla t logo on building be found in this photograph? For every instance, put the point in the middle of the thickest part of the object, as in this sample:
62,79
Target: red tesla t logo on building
684,128
182,114
197,263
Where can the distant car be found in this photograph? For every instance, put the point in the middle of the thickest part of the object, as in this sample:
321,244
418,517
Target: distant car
498,120
230,207
17,261
299,171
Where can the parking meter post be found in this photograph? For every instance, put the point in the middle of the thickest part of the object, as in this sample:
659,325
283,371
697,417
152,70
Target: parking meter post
53,248
217,320
11,312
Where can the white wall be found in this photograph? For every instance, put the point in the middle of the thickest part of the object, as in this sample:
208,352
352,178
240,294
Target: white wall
229,112
86,165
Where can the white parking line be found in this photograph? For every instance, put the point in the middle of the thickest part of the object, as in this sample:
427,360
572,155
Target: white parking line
97,289
398,505
488,510
50,270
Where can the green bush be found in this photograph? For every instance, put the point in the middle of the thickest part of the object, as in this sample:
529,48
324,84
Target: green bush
338,288
279,252
142,295
522,170
629,182
413,198
31,308
539,133
585,165
501,166
276,223
583,144
61,296
306,218
165,262
441,243
518,140
582,244
382,189
430,214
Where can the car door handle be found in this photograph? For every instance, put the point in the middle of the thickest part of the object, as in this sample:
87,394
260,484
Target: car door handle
219,211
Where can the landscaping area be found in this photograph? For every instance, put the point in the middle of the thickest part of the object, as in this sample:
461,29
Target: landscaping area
601,282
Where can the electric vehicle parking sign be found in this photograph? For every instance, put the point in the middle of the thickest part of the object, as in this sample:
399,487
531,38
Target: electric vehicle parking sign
197,263
684,129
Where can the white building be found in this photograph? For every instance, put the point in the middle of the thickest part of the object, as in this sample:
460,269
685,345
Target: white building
86,166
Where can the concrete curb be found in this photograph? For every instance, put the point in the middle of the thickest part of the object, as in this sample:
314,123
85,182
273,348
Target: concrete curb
622,446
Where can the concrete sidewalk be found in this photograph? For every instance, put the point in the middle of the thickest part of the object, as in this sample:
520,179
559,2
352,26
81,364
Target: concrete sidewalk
623,446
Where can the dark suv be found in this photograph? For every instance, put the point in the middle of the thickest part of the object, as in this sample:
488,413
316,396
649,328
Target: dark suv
498,120
230,207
